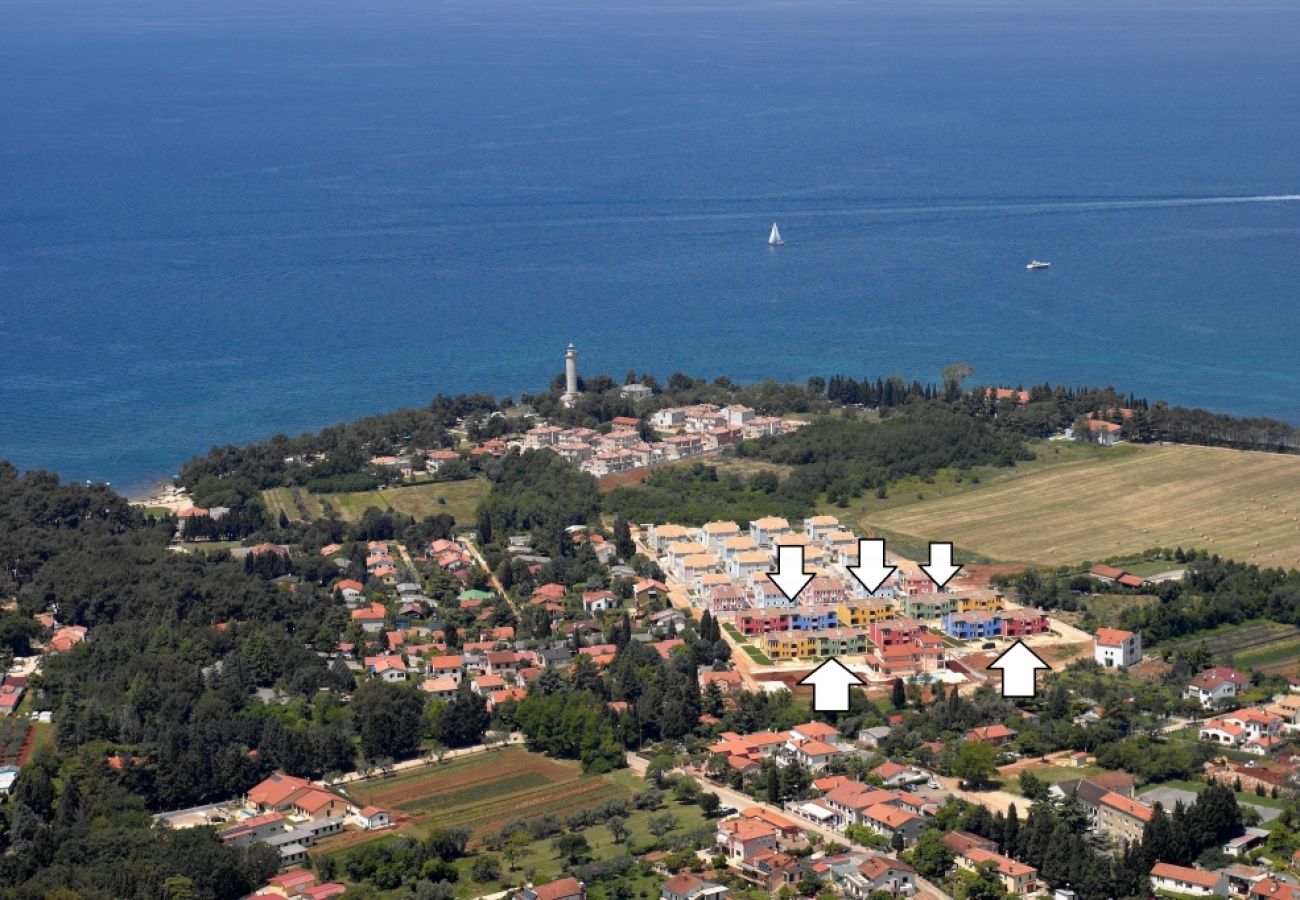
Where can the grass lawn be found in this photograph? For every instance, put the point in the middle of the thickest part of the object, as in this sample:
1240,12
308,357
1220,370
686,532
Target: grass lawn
1244,505
751,651
459,499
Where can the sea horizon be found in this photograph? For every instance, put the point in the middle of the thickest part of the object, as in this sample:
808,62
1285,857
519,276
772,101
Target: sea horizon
223,224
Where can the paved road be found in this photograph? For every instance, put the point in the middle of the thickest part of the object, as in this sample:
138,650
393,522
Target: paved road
738,800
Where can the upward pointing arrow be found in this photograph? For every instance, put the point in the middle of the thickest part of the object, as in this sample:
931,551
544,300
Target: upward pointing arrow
1018,665
940,568
830,682
789,575
871,569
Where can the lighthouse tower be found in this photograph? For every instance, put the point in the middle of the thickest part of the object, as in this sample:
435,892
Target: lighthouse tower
570,395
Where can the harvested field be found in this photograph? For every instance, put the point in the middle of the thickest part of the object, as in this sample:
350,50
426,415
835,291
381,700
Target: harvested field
1242,505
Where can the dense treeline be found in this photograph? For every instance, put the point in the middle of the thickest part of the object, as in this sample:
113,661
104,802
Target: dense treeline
165,680
336,458
537,491
1215,592
846,457
695,494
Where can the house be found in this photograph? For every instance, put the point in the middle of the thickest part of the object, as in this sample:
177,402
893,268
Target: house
1107,574
728,682
389,667
442,687
324,891
1191,882
291,884
563,889
599,601
815,731
997,735
370,618
1123,816
1017,878
368,818
685,886
1215,686
850,801
448,666
503,662
873,737
742,838
10,696
1273,888
893,774
879,873
766,530
8,778
65,638
891,820
771,870
1115,648
1089,791
813,754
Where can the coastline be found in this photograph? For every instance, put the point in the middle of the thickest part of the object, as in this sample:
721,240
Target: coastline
164,494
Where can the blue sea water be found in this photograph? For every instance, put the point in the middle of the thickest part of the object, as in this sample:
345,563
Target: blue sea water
223,220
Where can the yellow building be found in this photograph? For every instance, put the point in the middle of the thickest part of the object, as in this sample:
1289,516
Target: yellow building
789,645
979,601
864,613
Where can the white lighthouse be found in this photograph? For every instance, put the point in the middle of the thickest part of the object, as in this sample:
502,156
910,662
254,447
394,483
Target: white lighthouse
570,395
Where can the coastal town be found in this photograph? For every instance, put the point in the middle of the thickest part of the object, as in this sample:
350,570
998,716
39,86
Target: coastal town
534,707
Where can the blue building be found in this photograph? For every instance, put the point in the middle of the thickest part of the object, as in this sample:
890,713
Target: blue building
972,626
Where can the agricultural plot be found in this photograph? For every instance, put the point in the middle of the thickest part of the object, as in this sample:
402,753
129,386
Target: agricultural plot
16,736
485,791
458,499
1267,646
1239,504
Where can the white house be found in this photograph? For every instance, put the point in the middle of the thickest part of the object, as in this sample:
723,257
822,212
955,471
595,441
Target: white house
369,818
1191,882
1114,648
1215,686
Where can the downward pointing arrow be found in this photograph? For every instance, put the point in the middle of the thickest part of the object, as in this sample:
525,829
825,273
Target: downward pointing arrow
830,682
871,569
940,568
789,575
1018,664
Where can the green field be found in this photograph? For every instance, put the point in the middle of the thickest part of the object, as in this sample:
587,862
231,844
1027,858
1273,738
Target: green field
1254,645
459,499
1239,504
487,790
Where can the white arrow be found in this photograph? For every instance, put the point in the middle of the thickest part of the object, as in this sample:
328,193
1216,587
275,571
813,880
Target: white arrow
831,682
940,568
871,570
1018,664
789,575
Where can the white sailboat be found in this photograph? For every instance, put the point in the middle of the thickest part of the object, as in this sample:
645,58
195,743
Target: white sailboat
774,239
